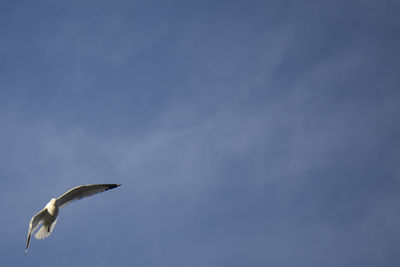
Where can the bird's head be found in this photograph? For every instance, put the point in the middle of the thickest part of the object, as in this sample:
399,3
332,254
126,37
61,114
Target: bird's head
52,202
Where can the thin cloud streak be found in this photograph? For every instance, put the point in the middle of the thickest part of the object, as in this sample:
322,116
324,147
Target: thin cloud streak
244,134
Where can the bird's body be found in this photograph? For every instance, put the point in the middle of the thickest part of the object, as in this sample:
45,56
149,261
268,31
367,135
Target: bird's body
48,216
52,207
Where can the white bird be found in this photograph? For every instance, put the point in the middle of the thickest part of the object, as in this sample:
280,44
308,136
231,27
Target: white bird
48,215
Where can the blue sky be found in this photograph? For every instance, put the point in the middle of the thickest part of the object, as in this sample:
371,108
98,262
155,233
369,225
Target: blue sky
244,133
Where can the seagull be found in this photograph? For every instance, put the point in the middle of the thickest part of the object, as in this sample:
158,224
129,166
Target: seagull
48,215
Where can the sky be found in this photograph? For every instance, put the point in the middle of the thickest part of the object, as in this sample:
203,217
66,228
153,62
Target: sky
244,133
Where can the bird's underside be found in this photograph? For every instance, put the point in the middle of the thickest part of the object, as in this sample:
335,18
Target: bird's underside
47,217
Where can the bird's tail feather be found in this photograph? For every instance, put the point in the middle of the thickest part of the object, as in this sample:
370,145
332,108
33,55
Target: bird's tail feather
45,231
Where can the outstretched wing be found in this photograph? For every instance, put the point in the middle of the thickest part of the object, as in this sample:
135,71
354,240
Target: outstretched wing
82,192
35,222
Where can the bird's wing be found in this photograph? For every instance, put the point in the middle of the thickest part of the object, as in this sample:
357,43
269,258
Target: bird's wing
35,222
82,192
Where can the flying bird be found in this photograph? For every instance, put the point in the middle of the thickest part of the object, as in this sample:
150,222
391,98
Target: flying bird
48,215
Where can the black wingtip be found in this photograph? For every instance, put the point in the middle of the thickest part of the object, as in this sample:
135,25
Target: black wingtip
111,186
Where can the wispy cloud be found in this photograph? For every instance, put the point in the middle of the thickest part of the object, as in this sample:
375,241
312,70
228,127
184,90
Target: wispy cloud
242,134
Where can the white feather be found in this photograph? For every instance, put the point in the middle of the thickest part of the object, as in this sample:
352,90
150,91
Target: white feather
44,231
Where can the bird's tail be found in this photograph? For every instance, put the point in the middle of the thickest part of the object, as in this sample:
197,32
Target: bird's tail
45,230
